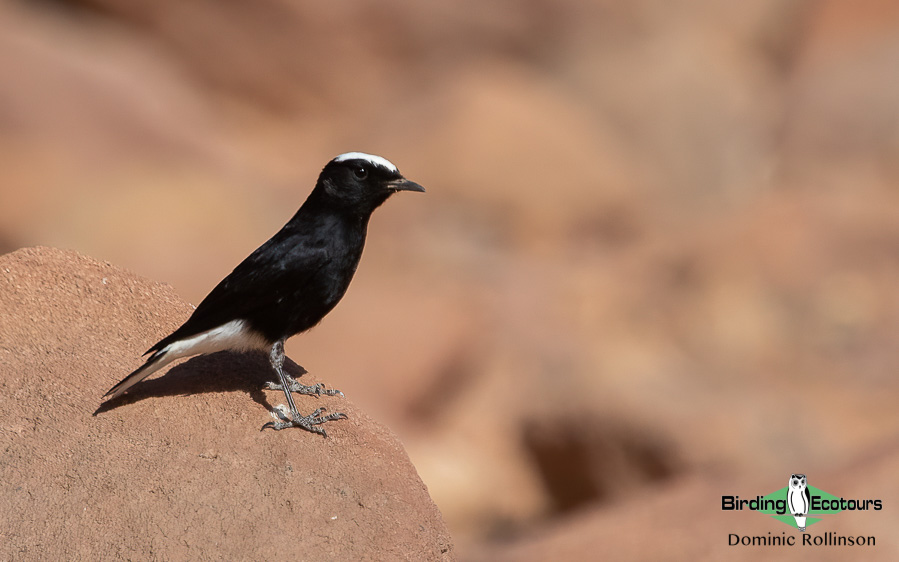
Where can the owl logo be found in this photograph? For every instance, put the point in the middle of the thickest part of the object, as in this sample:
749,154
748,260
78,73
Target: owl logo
798,499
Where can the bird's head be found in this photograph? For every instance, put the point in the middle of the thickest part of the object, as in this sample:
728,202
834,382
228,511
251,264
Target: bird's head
361,182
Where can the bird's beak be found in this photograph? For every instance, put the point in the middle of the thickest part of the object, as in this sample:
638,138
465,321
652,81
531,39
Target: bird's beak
403,184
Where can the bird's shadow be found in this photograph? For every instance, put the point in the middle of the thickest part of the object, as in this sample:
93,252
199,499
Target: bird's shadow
224,371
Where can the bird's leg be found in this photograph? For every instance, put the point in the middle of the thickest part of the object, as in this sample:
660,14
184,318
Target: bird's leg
294,385
293,418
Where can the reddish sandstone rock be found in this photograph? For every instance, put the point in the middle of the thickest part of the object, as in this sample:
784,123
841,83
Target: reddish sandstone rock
178,469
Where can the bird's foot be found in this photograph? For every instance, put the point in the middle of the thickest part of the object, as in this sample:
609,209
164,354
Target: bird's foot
317,389
284,419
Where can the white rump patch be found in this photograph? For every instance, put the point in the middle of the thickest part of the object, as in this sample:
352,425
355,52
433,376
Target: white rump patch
231,335
373,159
234,335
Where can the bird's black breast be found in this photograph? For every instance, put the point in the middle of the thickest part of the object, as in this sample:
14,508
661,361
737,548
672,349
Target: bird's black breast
289,283
311,270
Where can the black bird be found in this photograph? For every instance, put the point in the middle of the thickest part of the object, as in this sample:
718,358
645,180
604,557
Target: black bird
289,283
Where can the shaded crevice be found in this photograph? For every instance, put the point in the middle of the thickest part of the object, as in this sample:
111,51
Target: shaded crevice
582,461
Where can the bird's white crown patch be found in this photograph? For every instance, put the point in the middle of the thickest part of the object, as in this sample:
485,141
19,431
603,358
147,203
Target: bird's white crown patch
372,158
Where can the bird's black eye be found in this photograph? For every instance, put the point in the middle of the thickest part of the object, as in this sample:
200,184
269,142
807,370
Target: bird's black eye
360,172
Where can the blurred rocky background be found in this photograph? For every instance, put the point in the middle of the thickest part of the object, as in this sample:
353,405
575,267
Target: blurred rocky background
657,262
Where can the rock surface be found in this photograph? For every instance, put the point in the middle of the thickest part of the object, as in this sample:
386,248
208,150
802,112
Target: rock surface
179,468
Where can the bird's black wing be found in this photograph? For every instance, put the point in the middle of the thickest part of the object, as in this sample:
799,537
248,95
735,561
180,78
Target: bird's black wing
286,262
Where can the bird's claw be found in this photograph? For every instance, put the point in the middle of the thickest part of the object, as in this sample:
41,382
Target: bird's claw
283,420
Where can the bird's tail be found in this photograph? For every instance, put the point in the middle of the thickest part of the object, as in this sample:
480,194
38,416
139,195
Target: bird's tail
156,361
